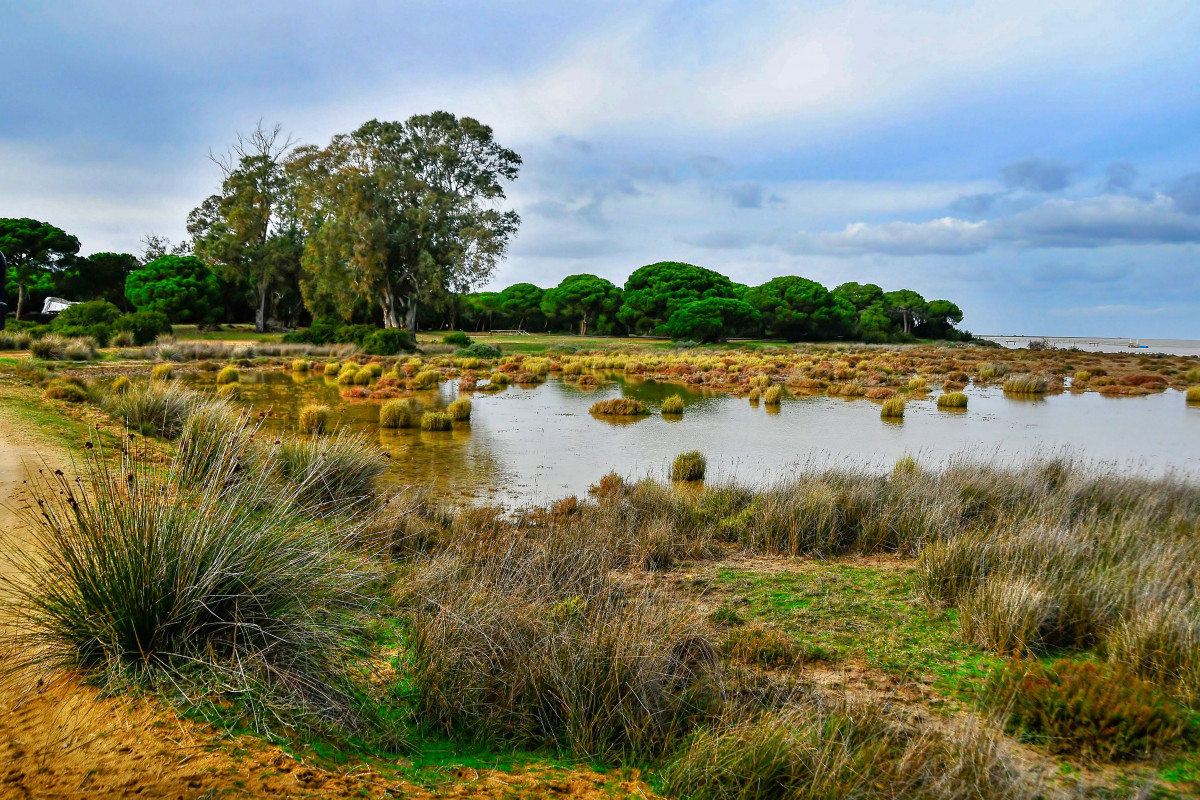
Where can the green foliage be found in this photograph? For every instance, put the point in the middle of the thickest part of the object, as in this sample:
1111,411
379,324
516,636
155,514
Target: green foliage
86,315
63,389
797,309
860,295
907,306
227,375
583,297
673,405
655,292
521,301
480,350
181,287
689,466
145,326
33,249
1088,709
457,338
397,213
713,320
389,342
100,276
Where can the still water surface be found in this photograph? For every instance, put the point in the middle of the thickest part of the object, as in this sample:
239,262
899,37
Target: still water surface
539,444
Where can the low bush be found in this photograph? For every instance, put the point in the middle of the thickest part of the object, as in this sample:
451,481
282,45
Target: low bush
144,326
892,408
436,421
460,409
620,407
457,338
63,389
313,419
479,350
689,466
1088,709
389,342
952,400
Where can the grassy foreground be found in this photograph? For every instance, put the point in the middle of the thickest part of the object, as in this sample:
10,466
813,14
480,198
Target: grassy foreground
963,631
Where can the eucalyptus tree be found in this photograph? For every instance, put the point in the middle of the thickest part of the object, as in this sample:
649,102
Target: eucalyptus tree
248,231
401,213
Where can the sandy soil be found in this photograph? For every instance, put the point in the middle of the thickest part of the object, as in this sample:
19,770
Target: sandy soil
63,740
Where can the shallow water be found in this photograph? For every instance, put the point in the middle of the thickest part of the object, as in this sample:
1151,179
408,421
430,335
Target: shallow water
539,444
1103,344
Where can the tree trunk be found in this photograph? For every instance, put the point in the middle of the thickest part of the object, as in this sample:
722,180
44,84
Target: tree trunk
410,316
20,299
583,325
260,313
387,301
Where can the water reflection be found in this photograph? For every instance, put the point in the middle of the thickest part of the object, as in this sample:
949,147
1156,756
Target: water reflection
539,443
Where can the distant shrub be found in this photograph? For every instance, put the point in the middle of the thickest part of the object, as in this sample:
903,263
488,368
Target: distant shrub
396,414
1087,709
460,409
389,342
313,418
479,350
689,466
1027,384
144,326
673,405
620,407
893,408
436,421
70,391
227,375
457,338
952,400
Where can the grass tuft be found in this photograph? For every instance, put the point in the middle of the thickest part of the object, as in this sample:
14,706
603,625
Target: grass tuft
620,407
313,419
892,408
952,400
436,421
673,405
689,466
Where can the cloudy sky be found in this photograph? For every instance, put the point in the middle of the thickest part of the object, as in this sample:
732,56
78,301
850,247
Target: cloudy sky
1036,161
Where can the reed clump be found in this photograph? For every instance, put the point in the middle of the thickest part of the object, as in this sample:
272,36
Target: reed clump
227,375
892,408
140,577
300,365
1193,394
313,418
162,372
153,408
773,396
620,407
332,368
436,421
460,409
1027,384
397,413
50,347
673,405
689,466
952,400
338,471
425,379
120,385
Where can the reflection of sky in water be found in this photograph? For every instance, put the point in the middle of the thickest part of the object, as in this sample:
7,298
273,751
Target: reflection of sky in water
540,443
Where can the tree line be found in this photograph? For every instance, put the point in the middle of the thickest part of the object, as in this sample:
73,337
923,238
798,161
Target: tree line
398,224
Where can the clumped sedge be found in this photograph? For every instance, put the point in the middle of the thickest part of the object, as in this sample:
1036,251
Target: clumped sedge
952,400
773,396
313,419
141,577
689,466
227,375
620,407
397,413
436,421
162,372
892,408
673,405
1027,384
460,409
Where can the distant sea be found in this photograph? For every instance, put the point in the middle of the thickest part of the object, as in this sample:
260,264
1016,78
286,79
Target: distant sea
1100,344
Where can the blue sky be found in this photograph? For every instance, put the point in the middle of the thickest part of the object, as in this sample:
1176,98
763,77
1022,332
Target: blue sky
1038,162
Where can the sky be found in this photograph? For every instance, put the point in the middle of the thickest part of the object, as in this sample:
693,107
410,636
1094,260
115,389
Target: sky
1037,162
